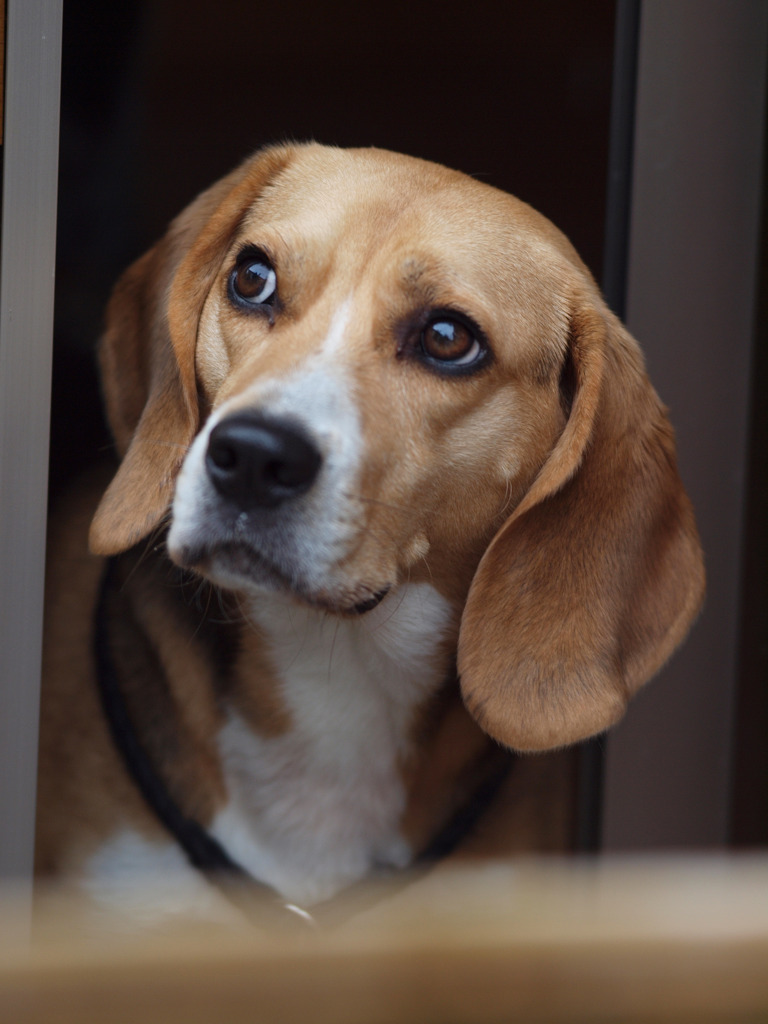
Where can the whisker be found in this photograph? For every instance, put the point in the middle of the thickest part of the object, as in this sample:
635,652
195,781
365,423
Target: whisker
379,534
337,626
238,601
163,443
203,610
377,501
227,616
149,543
423,558
508,499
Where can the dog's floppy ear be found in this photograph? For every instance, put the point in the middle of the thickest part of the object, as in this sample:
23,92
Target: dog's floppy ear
593,580
147,354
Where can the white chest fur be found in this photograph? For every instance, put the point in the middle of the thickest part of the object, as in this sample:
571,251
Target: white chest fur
316,808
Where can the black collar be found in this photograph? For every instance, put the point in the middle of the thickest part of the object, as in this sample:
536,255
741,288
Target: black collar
202,850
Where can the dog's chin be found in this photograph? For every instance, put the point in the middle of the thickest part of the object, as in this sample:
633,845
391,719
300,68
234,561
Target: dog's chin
240,568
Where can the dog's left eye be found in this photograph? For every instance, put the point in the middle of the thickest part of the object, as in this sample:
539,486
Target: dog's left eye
253,282
452,343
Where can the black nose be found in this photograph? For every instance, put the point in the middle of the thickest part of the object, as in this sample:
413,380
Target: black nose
259,462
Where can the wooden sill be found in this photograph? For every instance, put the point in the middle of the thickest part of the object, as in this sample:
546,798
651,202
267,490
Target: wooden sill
611,940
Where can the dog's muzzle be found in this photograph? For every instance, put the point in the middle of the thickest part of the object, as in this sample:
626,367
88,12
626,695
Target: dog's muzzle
253,461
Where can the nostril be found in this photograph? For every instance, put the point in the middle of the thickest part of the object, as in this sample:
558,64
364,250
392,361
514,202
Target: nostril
260,462
222,454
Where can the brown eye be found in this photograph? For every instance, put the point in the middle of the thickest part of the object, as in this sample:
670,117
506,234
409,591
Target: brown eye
253,281
450,341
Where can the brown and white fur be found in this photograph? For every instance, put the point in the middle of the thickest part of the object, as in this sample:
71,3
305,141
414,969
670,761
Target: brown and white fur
515,498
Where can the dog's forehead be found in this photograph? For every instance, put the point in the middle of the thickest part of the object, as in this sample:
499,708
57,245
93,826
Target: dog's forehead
329,193
338,179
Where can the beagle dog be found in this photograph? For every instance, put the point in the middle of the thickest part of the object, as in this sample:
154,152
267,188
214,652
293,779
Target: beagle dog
395,492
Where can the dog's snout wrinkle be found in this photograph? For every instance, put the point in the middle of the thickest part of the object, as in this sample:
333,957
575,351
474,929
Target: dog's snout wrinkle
257,462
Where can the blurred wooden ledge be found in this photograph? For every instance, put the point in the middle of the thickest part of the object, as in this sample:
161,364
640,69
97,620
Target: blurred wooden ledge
672,940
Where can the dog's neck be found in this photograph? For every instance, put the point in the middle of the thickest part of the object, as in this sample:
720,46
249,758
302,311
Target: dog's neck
318,802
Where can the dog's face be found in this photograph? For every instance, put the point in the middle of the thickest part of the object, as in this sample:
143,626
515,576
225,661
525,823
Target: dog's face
383,380
346,370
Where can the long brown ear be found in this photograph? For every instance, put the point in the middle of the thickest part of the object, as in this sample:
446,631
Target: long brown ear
594,579
147,354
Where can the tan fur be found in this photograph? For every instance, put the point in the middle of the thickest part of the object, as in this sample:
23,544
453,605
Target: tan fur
540,495
602,558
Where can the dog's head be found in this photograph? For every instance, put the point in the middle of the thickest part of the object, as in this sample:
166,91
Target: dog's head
342,370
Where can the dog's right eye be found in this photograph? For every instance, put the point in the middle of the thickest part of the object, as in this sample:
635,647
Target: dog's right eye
253,282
